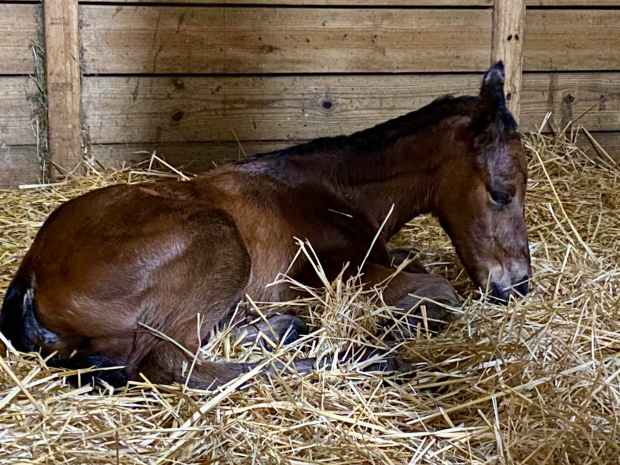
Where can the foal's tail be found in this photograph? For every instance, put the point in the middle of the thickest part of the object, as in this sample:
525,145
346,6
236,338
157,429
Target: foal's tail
18,319
12,313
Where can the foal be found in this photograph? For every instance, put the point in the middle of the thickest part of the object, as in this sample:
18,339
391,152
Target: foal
117,258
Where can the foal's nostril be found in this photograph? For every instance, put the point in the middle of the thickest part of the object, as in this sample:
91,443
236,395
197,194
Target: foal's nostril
522,286
498,294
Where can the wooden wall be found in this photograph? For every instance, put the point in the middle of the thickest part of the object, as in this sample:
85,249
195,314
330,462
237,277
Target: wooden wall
19,162
198,79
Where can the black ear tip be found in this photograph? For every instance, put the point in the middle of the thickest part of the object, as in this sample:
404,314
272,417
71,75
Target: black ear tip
496,74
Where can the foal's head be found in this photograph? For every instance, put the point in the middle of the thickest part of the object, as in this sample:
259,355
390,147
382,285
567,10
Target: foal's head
481,200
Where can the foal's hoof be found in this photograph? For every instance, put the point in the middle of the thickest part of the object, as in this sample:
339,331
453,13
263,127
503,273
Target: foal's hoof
384,362
294,330
398,365
280,328
399,254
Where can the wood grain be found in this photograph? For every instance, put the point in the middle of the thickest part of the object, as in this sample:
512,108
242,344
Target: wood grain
573,3
398,3
304,3
135,39
192,157
16,111
572,40
507,45
20,165
610,141
63,83
131,110
282,40
18,32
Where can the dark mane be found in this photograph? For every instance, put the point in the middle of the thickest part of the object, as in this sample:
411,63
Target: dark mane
375,138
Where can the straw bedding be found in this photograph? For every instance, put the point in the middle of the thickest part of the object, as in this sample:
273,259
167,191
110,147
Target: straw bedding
535,382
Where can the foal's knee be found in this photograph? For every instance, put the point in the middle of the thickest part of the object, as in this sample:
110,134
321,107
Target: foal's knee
436,288
428,306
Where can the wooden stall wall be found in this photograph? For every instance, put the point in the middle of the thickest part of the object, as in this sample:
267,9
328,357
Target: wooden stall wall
207,82
203,81
20,126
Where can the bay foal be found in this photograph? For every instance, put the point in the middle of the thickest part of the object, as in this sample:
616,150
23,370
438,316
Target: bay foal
108,262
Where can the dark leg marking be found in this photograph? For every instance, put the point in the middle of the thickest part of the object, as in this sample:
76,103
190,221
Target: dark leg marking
116,377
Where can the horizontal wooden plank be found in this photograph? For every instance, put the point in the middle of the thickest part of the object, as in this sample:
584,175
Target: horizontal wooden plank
16,111
276,108
573,3
20,165
18,30
304,3
282,40
192,157
137,40
199,109
394,3
594,98
572,40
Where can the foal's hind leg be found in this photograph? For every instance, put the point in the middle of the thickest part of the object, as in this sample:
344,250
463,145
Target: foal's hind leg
418,298
167,364
170,365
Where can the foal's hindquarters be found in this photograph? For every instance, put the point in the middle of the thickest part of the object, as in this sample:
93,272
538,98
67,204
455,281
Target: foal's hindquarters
111,268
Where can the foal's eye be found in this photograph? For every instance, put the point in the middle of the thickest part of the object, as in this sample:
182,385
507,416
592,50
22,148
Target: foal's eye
500,198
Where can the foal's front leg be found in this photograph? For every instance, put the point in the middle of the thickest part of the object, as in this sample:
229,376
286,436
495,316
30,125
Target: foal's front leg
419,298
268,331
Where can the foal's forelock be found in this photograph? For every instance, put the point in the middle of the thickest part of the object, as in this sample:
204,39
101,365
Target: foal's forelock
503,169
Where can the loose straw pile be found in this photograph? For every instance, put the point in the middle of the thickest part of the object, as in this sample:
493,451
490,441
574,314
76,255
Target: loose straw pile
536,382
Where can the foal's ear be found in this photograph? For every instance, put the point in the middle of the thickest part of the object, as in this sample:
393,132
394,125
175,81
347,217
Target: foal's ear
492,90
492,109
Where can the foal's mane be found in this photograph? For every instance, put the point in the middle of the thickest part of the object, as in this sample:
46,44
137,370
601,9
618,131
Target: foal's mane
377,137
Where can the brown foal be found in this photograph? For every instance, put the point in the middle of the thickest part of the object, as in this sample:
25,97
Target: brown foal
113,260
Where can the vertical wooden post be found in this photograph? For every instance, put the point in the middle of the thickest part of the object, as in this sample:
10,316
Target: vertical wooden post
508,32
63,84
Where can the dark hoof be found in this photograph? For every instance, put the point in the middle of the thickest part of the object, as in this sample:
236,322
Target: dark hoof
397,364
384,362
99,371
280,328
294,331
399,255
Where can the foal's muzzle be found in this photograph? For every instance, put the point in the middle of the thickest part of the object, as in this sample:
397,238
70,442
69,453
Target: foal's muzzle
501,294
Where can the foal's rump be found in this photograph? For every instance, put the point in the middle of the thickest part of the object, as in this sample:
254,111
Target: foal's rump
108,267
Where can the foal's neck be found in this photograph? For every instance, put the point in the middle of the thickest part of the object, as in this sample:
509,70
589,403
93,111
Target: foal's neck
397,163
404,175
